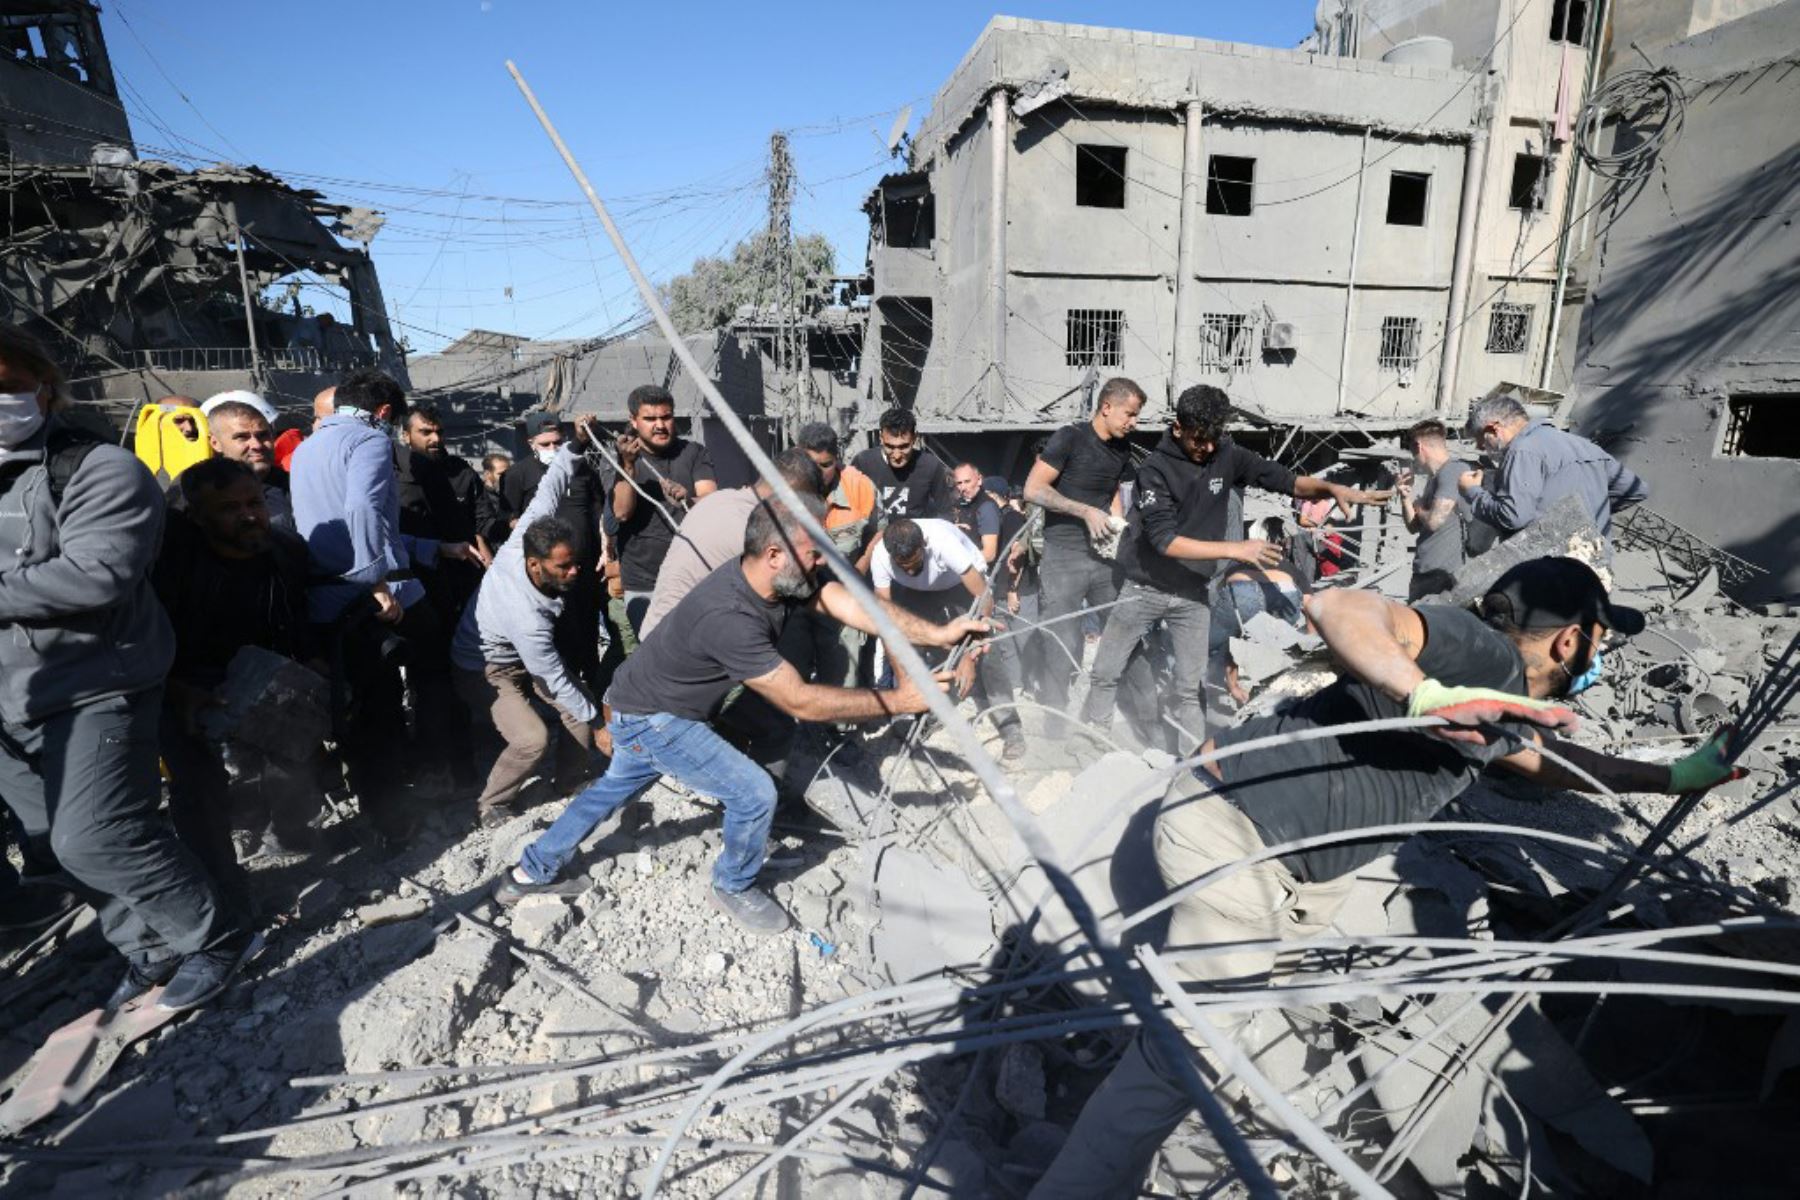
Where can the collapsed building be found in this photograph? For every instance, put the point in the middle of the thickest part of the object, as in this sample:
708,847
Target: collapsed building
151,280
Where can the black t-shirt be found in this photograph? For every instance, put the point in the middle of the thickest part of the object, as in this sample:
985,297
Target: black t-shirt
1333,784
581,506
439,497
1178,497
644,536
1089,470
978,518
721,634
219,605
921,489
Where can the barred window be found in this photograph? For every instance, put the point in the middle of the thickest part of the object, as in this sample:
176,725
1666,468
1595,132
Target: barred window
1224,341
1399,344
1509,328
1096,337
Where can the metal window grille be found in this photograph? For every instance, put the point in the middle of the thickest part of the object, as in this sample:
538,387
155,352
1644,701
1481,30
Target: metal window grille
1509,328
1399,344
1224,341
1096,337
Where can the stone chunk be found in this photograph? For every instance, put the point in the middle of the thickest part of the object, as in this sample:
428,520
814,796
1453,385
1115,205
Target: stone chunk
392,910
1564,530
414,1016
1019,1084
540,919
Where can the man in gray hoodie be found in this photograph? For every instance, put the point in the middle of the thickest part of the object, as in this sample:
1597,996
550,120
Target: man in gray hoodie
1539,465
84,647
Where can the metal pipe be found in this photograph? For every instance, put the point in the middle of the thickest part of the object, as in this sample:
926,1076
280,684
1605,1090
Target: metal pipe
237,240
1596,23
1362,173
1192,181
999,139
1462,266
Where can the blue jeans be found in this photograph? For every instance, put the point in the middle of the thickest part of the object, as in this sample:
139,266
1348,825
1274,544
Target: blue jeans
645,748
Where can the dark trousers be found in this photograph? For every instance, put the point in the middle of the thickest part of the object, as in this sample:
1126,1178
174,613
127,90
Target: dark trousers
83,785
577,630
378,754
1109,1151
1429,583
1128,626
204,806
1069,579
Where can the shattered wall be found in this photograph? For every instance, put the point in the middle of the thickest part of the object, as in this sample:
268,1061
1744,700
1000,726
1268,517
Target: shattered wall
58,99
1695,298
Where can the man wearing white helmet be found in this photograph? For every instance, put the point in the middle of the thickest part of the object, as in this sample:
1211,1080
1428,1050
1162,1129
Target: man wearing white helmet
240,397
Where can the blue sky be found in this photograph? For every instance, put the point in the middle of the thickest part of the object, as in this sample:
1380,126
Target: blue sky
405,105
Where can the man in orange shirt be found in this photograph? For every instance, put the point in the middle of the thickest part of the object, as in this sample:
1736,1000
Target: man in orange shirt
830,650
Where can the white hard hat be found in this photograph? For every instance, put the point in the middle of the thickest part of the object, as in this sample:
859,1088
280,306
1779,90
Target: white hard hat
240,397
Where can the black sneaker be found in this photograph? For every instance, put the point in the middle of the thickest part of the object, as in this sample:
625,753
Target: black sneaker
140,979
752,908
1013,739
204,975
509,891
33,906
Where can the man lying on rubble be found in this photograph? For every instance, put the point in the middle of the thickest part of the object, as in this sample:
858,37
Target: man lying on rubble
933,570
505,649
1180,534
84,646
667,696
1539,638
1539,465
228,579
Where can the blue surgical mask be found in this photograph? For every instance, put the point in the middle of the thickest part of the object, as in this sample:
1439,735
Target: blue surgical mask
1589,677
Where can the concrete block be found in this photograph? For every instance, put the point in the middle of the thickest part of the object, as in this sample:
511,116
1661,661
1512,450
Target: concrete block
537,920
390,911
1565,529
415,1015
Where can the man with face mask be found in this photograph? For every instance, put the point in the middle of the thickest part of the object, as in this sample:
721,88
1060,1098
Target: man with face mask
1495,678
583,501
505,652
1539,465
1180,534
667,696
84,647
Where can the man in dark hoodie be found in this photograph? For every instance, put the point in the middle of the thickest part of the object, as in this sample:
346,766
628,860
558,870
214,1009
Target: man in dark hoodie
1178,533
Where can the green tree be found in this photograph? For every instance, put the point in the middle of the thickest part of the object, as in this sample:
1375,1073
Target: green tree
712,291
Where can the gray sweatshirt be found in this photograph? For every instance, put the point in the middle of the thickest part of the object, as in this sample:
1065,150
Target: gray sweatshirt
511,622
78,619
1541,466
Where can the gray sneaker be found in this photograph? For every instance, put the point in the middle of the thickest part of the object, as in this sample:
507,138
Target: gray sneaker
752,908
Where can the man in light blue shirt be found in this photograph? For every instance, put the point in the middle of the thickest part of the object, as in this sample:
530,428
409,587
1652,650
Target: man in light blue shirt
348,510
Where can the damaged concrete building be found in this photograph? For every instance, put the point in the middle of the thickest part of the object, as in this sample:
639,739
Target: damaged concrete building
155,280
1317,232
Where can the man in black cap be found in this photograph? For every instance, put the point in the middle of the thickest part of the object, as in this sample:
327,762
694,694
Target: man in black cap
1495,678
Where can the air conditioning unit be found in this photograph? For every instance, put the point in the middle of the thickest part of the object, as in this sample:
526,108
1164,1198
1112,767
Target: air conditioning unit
1281,335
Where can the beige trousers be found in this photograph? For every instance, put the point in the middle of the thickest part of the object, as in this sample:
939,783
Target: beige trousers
504,693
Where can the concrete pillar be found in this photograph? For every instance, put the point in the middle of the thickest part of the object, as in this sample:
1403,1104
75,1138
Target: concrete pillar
1185,350
1362,171
999,145
1462,267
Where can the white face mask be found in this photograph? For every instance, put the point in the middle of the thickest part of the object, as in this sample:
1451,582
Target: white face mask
545,454
20,417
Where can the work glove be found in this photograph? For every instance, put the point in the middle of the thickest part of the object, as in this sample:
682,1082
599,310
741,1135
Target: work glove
1468,708
1704,768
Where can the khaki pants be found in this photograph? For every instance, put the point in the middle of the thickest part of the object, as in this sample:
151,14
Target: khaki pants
1137,1107
505,693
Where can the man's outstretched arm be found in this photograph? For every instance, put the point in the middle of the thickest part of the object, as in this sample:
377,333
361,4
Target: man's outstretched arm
835,601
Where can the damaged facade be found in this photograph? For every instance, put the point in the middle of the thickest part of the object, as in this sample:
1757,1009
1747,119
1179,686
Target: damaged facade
155,280
1313,230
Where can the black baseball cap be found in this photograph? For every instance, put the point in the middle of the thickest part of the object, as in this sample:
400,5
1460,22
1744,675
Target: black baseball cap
538,422
1549,593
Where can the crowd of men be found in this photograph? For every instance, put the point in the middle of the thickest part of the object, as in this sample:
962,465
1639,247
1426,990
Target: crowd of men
604,605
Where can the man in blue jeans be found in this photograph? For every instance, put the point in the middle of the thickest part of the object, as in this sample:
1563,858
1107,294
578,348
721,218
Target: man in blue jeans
666,696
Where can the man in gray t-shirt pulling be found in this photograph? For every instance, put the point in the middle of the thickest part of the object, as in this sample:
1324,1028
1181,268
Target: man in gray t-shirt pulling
666,696
1439,516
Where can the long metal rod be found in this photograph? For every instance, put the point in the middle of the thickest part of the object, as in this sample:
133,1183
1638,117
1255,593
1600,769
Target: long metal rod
1362,172
1234,1060
1037,844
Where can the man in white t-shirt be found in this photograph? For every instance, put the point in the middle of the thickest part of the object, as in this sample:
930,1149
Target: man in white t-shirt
927,566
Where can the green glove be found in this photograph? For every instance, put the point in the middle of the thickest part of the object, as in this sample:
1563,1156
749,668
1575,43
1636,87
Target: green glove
1704,768
1467,707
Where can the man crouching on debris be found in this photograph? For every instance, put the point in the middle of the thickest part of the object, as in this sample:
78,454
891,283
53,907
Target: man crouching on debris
667,694
1539,638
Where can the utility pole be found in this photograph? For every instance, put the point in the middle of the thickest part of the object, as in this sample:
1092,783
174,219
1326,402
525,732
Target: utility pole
790,350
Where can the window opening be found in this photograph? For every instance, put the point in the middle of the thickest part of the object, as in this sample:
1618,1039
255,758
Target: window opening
1100,176
1096,337
1530,178
1763,426
1399,344
1407,193
1230,185
1509,328
1224,341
